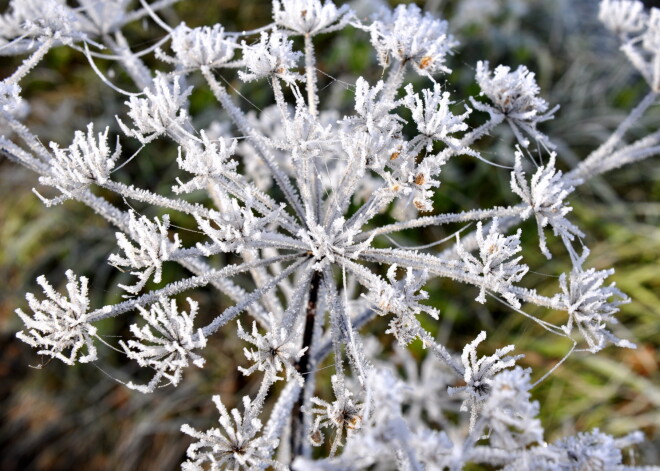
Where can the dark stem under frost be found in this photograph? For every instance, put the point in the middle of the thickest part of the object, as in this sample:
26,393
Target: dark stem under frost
303,367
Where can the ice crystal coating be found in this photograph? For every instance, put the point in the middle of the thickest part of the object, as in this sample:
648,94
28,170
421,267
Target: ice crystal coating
275,352
544,196
161,111
478,374
153,248
401,298
168,348
60,326
343,415
410,36
589,305
235,446
87,160
622,16
515,98
214,160
10,97
510,414
432,116
200,47
310,17
496,263
272,56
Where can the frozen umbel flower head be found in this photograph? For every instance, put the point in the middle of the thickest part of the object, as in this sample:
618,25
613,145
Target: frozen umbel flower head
162,111
200,47
544,196
61,323
169,348
412,37
310,17
87,160
622,16
236,445
478,374
272,56
311,249
514,96
591,306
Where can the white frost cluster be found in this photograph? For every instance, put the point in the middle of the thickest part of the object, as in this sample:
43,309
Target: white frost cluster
169,347
431,113
275,352
478,375
622,16
514,96
161,111
60,326
88,159
152,249
496,262
343,415
544,196
410,36
200,47
310,17
235,446
639,32
591,306
272,56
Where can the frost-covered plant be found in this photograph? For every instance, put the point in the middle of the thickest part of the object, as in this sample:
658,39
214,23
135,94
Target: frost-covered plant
306,206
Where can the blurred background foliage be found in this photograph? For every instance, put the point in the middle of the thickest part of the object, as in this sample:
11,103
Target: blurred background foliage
55,417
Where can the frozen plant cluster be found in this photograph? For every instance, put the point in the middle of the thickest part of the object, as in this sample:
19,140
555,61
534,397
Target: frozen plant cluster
309,203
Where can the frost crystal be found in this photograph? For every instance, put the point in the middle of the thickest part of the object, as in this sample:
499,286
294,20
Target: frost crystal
496,263
401,297
510,415
479,374
170,349
235,446
412,37
515,98
343,415
160,112
545,196
589,306
622,16
200,47
153,248
275,352
60,322
10,97
87,160
272,56
310,17
432,116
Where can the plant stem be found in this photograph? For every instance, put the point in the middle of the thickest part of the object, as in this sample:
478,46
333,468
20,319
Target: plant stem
303,367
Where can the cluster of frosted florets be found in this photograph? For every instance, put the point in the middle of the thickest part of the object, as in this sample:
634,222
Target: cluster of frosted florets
639,32
60,325
303,230
171,348
514,96
410,36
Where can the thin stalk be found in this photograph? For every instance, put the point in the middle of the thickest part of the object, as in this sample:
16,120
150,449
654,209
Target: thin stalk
303,365
310,70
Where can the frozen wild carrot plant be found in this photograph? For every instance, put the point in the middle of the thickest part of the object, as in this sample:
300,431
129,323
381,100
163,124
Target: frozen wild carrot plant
299,209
